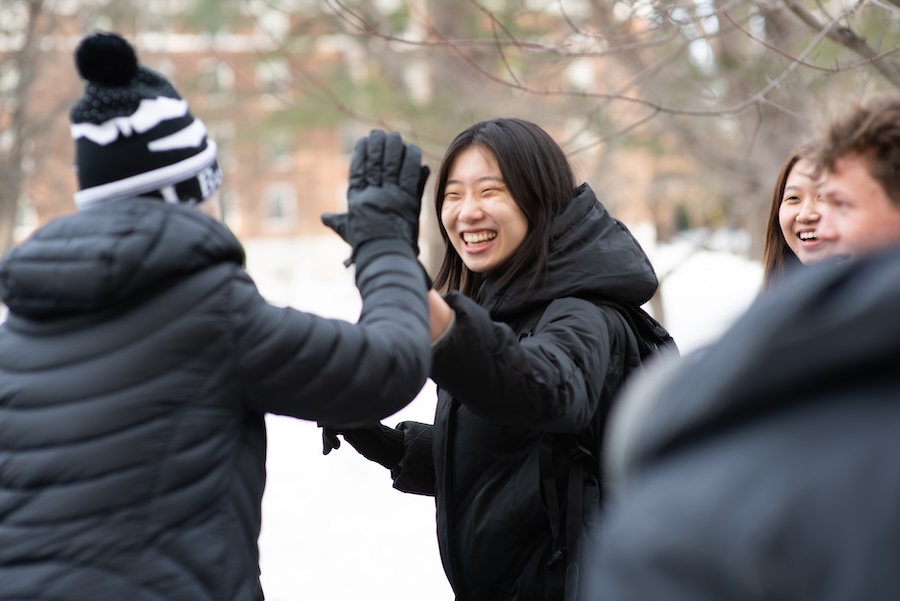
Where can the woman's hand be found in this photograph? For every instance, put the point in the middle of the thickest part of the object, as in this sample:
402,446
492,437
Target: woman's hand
440,315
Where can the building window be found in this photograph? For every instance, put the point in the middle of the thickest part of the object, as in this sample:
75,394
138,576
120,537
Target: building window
231,208
7,139
26,219
348,135
216,79
9,79
275,24
279,207
165,67
277,150
274,78
223,134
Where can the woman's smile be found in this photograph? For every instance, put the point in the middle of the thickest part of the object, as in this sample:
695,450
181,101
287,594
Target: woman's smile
478,241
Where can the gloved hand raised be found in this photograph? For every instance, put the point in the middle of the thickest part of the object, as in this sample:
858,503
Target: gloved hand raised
377,443
385,192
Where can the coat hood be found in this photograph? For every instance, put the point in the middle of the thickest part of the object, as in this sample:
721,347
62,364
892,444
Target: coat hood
107,255
591,254
824,335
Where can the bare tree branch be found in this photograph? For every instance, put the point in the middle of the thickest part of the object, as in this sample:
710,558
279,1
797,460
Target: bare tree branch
846,37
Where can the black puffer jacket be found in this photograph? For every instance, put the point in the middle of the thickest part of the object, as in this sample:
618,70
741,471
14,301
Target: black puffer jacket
136,366
498,396
765,467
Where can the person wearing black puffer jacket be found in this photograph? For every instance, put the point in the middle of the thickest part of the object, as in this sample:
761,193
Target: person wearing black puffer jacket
138,359
527,360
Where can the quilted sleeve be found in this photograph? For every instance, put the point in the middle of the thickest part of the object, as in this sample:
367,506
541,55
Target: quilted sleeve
553,380
332,371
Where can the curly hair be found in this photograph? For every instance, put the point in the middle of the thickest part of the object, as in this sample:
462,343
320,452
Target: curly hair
870,130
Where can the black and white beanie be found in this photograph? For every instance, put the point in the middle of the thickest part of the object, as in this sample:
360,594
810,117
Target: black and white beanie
134,135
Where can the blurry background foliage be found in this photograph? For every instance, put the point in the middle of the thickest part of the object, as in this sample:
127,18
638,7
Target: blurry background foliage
677,112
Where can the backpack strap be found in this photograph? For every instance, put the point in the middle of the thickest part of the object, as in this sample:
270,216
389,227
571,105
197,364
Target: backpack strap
551,498
565,537
574,504
650,334
524,324
582,459
565,528
581,462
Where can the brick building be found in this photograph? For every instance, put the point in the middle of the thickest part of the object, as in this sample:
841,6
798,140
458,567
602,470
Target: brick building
279,176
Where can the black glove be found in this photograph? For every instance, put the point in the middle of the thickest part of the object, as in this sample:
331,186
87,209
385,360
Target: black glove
385,193
378,443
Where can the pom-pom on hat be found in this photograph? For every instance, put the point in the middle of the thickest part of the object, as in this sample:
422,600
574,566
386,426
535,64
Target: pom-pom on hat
134,135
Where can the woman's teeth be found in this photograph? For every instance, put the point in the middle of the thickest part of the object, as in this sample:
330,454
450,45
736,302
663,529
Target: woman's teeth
478,237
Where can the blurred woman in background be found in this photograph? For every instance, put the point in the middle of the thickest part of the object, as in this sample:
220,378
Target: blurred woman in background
791,238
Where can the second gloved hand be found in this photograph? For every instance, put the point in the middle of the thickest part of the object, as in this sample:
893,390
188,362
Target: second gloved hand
379,443
384,197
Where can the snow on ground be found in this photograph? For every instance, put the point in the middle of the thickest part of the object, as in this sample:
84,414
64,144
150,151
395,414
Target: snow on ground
333,528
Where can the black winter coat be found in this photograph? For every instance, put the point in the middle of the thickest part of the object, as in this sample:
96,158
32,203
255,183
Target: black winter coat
765,467
136,365
499,396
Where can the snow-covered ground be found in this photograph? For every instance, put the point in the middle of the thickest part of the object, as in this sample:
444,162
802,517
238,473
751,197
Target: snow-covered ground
333,528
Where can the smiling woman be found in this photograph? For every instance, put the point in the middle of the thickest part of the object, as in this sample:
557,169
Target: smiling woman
792,229
799,214
527,358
